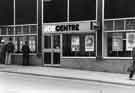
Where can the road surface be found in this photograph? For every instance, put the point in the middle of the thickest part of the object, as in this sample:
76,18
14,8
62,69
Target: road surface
20,83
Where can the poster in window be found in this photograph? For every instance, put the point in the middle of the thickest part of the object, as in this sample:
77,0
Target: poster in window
130,41
21,43
89,43
32,44
117,42
75,43
16,46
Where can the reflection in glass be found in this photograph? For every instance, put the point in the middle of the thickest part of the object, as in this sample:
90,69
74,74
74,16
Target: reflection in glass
117,45
108,25
32,43
10,30
3,31
18,30
56,41
26,29
130,24
119,24
33,29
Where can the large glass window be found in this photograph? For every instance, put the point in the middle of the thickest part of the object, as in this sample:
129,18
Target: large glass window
82,10
26,11
79,44
119,8
55,10
120,44
6,12
20,40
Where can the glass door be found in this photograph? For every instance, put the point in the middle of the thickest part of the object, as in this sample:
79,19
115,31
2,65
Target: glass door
51,49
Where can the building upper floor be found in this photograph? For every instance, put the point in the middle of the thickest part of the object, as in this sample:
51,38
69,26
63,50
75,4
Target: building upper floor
26,11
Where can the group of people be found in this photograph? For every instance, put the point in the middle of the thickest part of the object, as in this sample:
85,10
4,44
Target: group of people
7,48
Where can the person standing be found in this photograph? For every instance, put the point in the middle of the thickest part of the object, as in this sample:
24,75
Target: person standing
3,52
25,51
133,64
9,50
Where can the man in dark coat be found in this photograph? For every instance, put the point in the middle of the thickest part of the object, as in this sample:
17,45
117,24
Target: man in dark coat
133,64
25,51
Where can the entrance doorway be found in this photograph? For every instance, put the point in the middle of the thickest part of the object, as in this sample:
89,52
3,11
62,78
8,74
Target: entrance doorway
51,49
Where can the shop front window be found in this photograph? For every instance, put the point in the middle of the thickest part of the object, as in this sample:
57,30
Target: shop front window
19,35
20,40
79,45
120,44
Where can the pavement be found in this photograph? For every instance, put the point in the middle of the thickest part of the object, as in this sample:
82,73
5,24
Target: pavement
102,77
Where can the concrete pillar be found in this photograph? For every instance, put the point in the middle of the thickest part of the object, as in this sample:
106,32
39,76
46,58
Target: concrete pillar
100,22
39,19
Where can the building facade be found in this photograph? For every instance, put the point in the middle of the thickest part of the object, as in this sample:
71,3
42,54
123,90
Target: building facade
62,32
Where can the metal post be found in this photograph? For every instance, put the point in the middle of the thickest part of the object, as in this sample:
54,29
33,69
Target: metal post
68,15
14,18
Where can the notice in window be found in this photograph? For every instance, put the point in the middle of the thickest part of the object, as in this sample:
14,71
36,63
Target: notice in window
89,43
32,44
117,42
75,43
130,41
